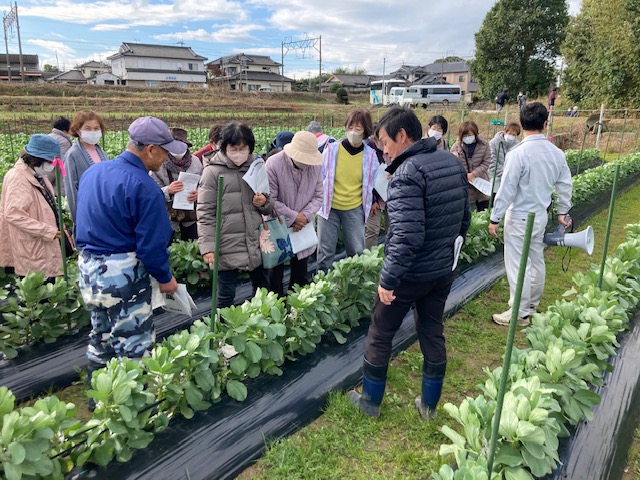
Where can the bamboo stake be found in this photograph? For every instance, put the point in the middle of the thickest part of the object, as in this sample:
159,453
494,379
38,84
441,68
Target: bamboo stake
495,174
612,204
63,249
216,254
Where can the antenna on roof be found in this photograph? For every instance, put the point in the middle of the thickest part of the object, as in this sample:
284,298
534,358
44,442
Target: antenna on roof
181,42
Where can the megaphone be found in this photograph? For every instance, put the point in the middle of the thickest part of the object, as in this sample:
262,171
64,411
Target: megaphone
583,239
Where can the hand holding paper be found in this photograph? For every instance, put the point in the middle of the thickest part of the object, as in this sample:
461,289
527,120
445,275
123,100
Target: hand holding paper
189,184
257,178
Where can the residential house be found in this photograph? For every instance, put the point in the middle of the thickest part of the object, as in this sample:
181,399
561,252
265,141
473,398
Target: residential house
104,78
455,73
409,73
70,77
351,83
92,68
250,73
144,65
30,64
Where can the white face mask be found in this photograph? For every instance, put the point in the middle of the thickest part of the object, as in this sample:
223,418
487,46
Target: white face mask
45,168
90,137
469,139
510,139
435,134
355,138
238,158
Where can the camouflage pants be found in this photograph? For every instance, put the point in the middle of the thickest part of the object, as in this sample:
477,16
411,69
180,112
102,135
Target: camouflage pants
117,292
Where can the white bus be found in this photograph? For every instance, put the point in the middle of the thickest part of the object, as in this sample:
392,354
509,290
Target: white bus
424,95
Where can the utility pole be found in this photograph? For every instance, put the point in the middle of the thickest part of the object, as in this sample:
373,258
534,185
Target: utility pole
304,44
320,65
384,64
8,20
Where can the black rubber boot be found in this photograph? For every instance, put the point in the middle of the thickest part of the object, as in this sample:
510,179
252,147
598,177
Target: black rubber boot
374,381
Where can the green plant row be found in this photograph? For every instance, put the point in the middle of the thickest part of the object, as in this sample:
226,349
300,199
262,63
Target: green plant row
581,160
551,380
188,371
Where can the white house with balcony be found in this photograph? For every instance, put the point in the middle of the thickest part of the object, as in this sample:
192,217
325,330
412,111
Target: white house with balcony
249,73
144,65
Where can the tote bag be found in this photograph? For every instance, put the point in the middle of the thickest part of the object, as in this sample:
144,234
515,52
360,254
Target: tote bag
275,244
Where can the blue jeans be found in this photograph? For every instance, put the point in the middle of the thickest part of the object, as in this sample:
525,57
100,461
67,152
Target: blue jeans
352,224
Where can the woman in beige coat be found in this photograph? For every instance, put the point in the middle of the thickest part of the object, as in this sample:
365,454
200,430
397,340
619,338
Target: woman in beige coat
28,223
475,156
241,213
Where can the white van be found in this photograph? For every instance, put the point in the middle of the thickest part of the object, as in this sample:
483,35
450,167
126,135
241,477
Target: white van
424,95
396,94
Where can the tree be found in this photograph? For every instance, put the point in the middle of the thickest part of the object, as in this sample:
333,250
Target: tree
50,68
347,71
601,54
450,58
342,96
517,45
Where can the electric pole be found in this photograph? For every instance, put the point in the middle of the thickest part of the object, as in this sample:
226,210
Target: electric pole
8,21
304,44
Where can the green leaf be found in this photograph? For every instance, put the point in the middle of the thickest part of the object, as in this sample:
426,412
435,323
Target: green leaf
507,455
238,364
12,472
339,337
121,394
517,473
253,352
103,454
237,390
17,452
103,382
276,352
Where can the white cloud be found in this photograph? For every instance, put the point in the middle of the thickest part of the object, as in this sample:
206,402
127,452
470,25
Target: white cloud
60,48
125,14
229,34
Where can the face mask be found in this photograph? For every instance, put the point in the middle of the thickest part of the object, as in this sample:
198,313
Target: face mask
435,134
301,166
178,157
510,139
238,158
92,138
44,169
355,138
469,139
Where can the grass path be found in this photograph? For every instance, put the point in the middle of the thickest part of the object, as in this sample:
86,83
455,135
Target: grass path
343,444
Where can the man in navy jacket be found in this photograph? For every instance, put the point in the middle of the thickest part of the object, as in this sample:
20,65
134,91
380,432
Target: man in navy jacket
123,231
428,207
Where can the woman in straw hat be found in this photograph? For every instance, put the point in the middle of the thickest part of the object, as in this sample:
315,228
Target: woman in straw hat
295,182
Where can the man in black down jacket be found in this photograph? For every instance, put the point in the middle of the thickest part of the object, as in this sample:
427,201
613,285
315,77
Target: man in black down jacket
428,206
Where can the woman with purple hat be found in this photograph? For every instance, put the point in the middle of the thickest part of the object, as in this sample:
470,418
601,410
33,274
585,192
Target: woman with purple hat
168,180
28,214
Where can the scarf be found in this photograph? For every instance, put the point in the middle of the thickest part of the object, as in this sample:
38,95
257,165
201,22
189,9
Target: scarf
176,166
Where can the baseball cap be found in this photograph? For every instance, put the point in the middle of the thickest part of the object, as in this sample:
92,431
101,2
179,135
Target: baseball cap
153,131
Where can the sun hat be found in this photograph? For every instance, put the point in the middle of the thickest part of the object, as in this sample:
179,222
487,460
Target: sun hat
153,131
43,146
282,138
182,135
304,149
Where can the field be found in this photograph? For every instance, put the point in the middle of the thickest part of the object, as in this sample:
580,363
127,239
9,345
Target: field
340,444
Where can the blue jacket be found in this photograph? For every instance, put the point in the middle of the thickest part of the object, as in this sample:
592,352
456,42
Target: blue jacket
428,207
370,166
121,209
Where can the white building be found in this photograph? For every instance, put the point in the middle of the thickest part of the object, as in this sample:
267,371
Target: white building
143,65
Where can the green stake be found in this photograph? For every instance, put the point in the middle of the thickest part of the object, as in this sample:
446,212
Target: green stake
612,204
63,248
216,254
506,364
495,174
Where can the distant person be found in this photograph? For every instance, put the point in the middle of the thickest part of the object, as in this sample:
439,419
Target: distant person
474,154
438,127
242,209
522,101
349,171
531,173
213,145
295,182
321,137
573,112
501,144
60,133
182,221
501,100
282,138
88,127
552,98
28,212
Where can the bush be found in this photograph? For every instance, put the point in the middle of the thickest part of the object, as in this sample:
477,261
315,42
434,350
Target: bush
342,96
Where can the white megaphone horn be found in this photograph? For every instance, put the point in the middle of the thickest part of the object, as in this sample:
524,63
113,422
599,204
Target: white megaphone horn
583,239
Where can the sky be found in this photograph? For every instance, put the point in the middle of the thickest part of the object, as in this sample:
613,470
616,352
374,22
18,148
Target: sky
377,35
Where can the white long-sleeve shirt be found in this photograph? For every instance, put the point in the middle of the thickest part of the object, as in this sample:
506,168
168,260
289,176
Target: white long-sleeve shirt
532,169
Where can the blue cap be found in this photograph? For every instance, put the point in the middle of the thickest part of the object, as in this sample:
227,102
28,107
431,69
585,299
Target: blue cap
282,138
43,146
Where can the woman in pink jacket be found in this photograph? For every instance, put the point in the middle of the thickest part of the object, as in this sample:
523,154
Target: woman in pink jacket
295,183
28,215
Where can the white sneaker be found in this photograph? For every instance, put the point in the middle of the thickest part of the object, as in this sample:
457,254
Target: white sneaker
504,319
